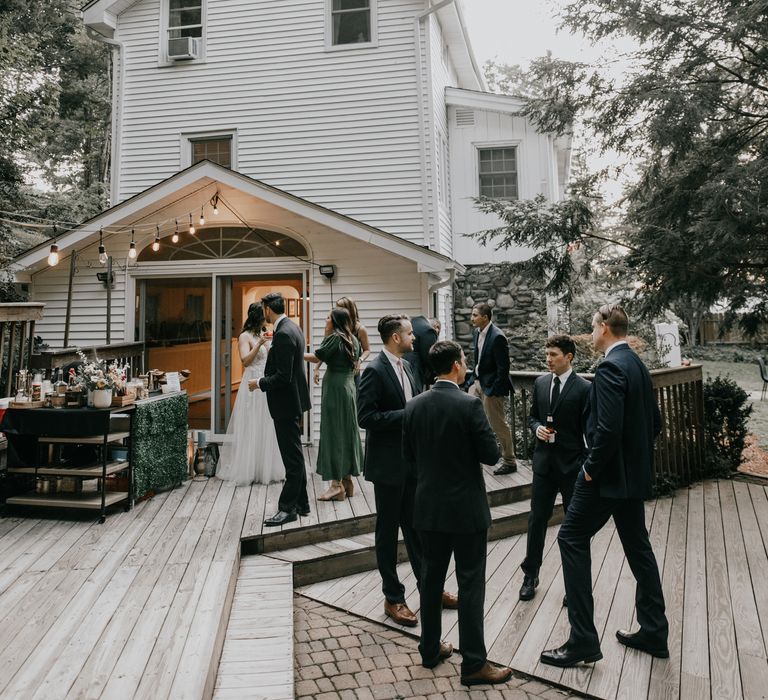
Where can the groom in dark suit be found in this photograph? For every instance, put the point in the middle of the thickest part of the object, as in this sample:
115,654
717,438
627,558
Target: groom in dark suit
285,384
447,436
622,425
559,401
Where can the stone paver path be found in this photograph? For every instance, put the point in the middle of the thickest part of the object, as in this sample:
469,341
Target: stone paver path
339,656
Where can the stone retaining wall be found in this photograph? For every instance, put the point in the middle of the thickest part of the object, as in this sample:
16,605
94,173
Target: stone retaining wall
519,310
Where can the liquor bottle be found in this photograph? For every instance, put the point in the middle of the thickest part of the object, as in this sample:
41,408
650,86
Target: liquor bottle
37,387
60,386
550,427
46,388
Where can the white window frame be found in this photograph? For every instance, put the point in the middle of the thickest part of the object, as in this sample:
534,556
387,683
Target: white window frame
186,140
499,144
163,60
372,44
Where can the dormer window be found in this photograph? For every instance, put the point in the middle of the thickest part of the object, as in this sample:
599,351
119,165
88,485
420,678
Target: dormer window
351,23
185,18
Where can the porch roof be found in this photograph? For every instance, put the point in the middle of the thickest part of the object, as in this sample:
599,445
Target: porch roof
244,201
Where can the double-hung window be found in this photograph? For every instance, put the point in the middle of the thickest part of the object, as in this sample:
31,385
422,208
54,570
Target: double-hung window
498,172
217,149
185,18
352,22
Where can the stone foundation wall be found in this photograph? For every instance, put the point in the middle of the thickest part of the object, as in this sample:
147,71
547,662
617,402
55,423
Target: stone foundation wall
518,309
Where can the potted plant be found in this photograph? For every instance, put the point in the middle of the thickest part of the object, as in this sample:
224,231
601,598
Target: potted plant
101,380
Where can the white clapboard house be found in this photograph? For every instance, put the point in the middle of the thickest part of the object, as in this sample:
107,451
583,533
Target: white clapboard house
293,136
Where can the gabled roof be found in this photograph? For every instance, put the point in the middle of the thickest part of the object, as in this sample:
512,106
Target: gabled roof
185,186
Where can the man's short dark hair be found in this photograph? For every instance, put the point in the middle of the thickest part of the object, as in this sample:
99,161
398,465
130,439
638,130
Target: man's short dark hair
442,355
484,309
275,301
615,318
391,324
563,342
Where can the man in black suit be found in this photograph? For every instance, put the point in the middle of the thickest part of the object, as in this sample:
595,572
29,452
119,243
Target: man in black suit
385,387
425,336
622,425
285,384
491,382
557,420
447,436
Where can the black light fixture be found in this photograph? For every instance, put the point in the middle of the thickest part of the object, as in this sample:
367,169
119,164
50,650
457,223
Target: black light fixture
327,271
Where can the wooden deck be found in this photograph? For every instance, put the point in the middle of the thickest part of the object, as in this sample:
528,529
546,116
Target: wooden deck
711,542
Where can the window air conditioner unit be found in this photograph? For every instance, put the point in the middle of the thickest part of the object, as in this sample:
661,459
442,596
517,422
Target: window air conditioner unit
183,48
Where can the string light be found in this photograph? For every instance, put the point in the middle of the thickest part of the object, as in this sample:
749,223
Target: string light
156,244
102,249
202,216
175,236
215,203
53,256
132,247
277,242
191,226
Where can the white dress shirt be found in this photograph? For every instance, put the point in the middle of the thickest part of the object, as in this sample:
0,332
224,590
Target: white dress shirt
480,343
563,379
402,375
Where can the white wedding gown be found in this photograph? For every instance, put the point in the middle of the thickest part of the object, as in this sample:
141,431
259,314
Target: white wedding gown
249,453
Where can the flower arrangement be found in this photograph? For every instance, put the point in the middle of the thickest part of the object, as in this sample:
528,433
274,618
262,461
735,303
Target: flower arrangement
96,374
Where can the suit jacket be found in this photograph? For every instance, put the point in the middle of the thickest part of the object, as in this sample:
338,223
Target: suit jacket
568,452
622,424
493,364
425,338
284,381
380,410
447,436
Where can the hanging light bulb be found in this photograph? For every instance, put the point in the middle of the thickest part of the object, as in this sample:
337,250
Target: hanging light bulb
132,247
191,226
102,249
216,204
53,256
175,236
202,216
277,242
156,243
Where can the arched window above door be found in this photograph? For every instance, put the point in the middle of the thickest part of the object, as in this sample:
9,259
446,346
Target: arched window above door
226,242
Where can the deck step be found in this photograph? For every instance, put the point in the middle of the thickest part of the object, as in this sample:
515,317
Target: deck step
257,658
501,490
322,561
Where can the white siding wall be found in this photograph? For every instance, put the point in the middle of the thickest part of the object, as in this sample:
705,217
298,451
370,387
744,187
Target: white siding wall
89,302
535,170
443,75
338,128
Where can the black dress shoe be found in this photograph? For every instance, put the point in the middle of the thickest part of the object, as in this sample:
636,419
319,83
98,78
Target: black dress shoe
505,469
280,518
568,655
303,512
528,589
638,640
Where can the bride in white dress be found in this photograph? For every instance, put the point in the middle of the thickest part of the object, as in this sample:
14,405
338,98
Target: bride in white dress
250,453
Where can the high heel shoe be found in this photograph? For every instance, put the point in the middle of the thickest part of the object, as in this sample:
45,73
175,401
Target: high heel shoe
349,486
334,493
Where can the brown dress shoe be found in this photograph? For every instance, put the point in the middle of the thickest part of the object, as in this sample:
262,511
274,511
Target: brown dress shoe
400,613
488,674
446,649
450,601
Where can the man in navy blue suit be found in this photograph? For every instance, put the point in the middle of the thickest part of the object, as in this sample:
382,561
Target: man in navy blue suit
622,424
490,381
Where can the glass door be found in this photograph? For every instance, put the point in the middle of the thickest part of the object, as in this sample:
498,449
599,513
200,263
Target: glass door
234,294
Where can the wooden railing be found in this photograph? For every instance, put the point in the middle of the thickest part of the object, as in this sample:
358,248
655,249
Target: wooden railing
125,353
17,339
679,452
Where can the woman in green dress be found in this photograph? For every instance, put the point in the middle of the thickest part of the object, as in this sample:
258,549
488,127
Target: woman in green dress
340,455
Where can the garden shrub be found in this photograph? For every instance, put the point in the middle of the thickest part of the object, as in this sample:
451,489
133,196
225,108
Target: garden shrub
725,423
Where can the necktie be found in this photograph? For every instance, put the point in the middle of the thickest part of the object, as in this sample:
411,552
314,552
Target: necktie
555,394
401,375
